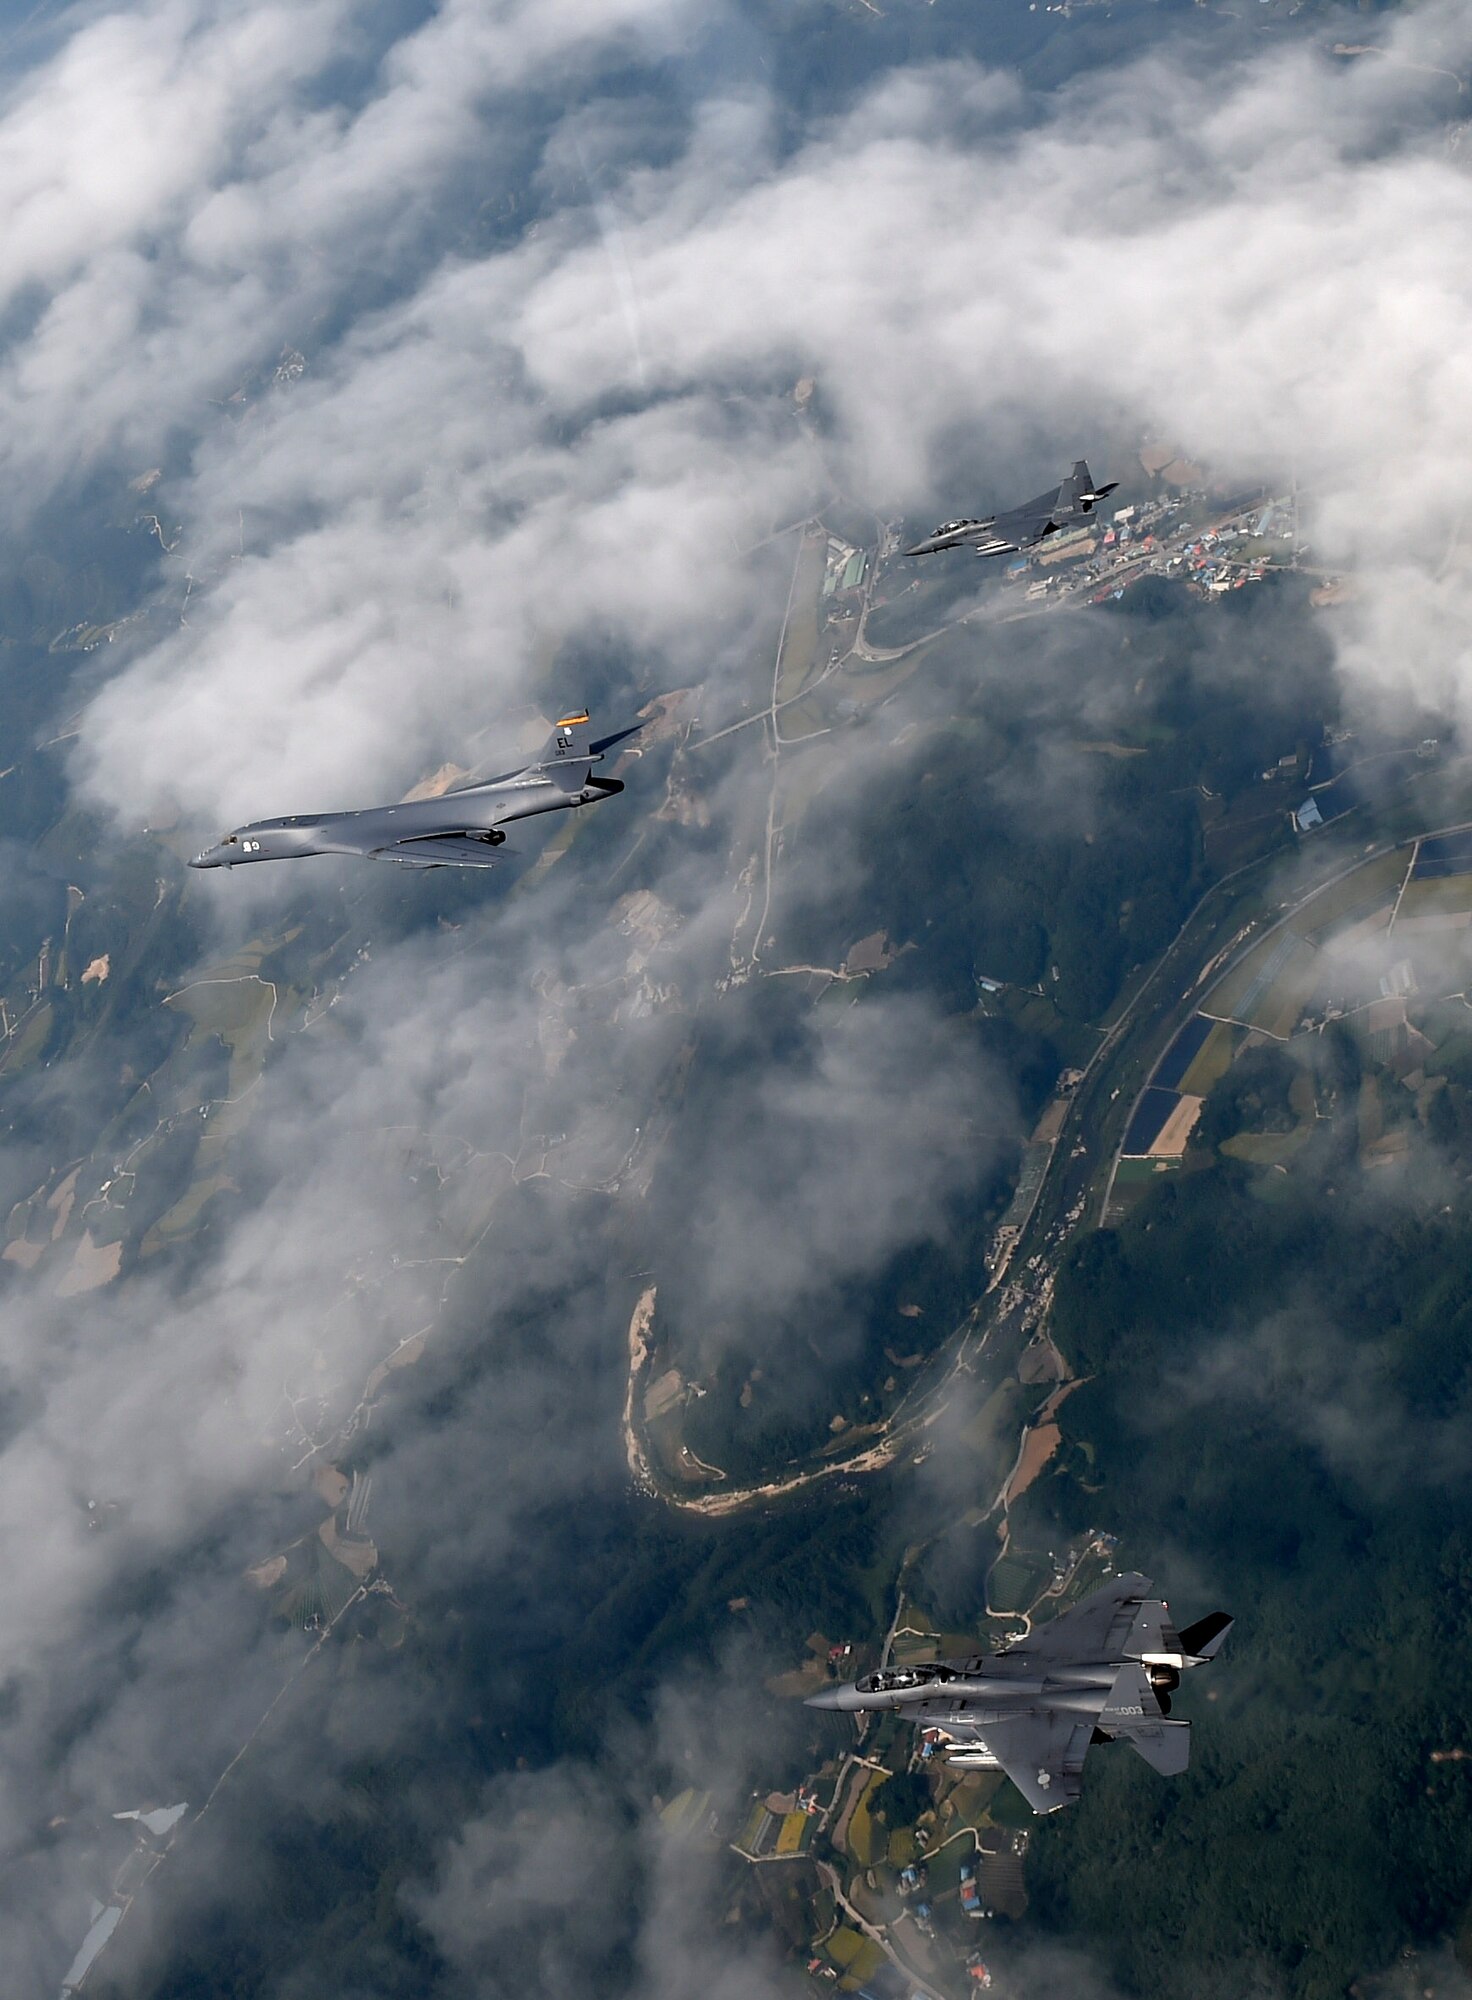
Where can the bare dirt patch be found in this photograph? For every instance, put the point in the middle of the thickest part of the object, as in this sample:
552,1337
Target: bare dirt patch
870,954
60,1201
1170,1141
1051,1123
1038,1448
641,1323
93,1265
358,1558
663,1394
436,785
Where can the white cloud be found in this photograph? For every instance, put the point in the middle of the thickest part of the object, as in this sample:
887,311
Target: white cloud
562,442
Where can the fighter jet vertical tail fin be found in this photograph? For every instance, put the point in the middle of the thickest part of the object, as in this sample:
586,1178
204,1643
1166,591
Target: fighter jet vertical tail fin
1082,491
1201,1640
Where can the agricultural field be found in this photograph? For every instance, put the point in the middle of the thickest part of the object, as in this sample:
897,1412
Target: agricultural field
1212,1060
1015,1582
1355,897
859,1956
1436,896
1269,988
800,640
862,1832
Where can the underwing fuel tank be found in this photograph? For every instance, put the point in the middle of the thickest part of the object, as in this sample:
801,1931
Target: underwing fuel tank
971,1757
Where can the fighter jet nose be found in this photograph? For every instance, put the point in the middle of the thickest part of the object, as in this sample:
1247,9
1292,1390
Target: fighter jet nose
833,1697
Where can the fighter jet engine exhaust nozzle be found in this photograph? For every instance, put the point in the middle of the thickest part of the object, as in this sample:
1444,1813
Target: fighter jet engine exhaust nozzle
1163,1683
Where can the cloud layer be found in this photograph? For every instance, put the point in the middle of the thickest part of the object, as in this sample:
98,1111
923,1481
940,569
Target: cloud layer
553,288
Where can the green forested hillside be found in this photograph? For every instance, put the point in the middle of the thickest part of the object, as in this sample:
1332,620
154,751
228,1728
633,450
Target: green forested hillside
1280,1423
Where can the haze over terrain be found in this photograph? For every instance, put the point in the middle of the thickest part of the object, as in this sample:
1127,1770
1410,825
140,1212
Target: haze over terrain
379,381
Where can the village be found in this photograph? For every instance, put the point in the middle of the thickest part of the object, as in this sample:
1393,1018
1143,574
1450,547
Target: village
893,1875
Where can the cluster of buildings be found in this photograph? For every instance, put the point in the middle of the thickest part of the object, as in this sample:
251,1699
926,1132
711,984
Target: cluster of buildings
1154,538
844,572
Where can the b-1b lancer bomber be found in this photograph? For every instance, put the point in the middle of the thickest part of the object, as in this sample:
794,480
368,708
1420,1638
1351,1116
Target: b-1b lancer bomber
1022,527
460,829
1102,1672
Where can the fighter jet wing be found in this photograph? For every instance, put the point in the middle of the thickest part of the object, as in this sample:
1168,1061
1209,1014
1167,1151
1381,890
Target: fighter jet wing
1042,1751
1031,521
441,850
1096,1628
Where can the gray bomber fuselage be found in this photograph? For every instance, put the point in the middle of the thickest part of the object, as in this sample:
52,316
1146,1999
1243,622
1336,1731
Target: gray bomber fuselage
461,828
482,808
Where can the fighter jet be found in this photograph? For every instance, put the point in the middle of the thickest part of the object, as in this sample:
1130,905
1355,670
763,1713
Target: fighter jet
1102,1672
462,829
1025,526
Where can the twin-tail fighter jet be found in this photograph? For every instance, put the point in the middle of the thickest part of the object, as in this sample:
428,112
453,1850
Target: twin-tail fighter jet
461,829
1102,1672
1025,526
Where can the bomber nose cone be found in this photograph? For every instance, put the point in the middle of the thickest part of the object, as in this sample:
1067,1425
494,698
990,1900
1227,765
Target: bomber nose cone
210,858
